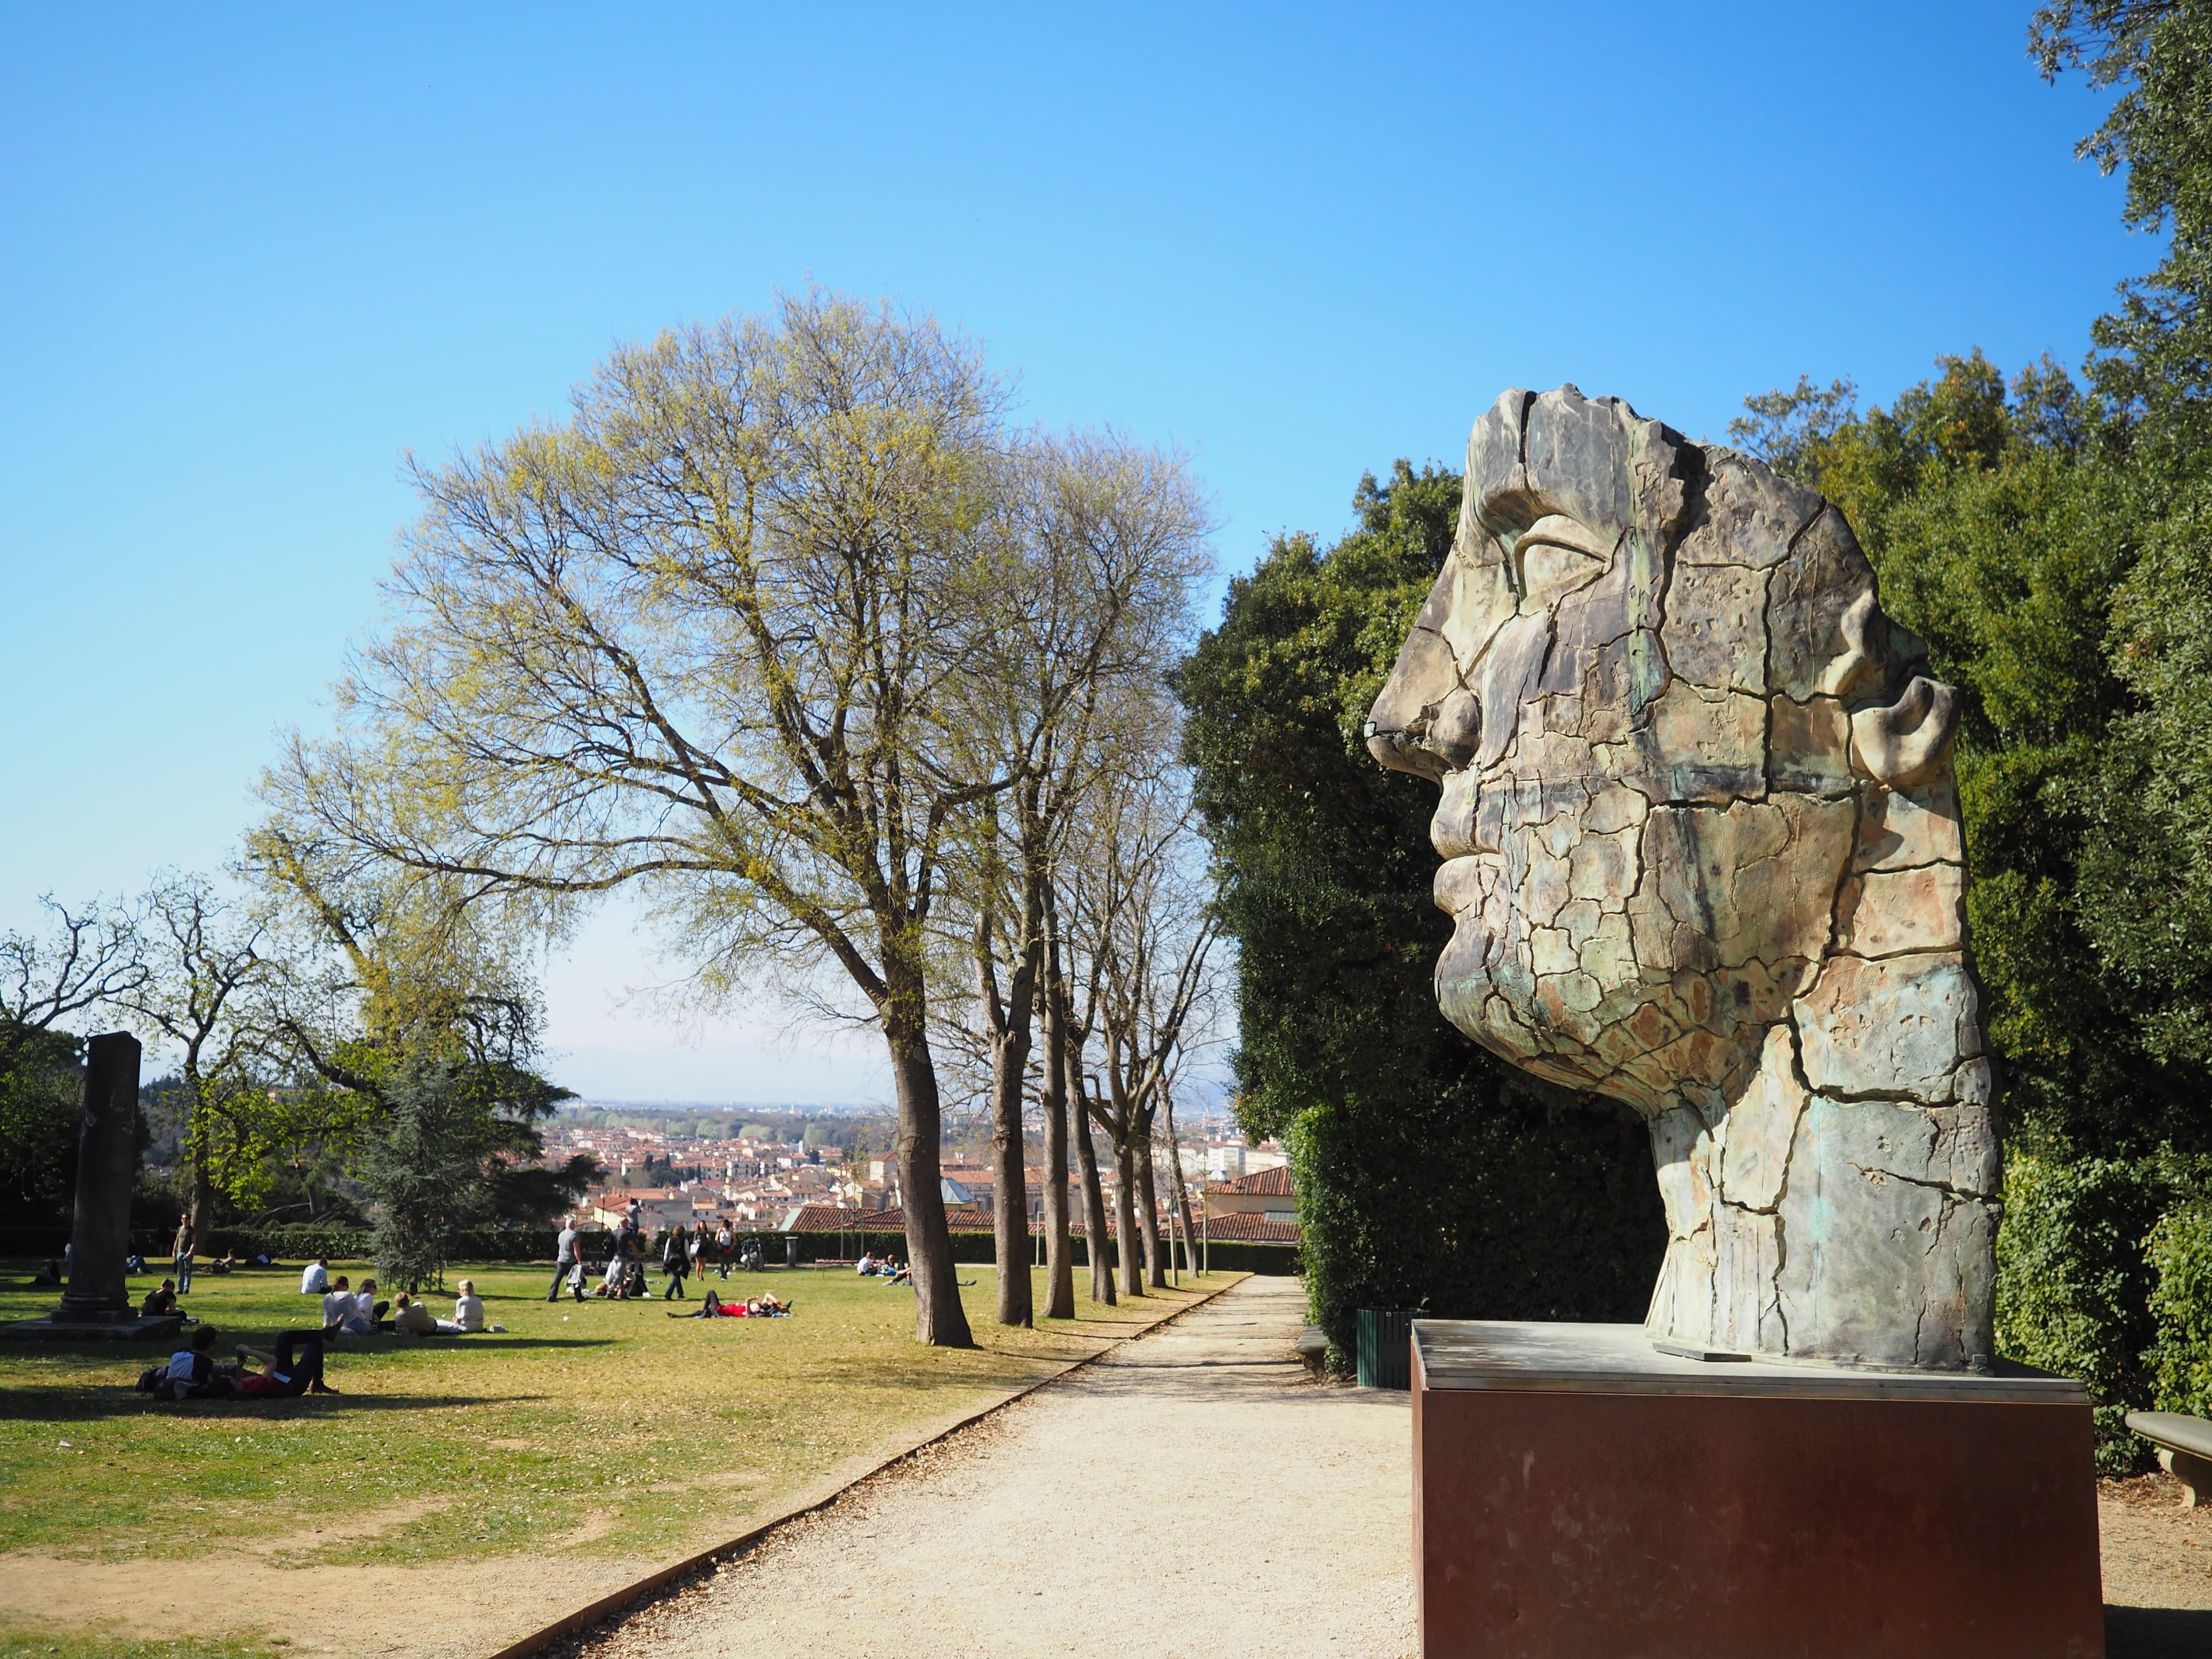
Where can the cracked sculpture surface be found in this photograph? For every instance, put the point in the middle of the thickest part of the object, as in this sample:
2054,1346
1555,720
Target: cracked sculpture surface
1701,854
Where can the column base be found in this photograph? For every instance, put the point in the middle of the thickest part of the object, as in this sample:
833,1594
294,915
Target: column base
1578,1495
74,1328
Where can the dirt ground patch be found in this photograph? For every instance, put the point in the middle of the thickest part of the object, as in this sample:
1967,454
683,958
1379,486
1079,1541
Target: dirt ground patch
2158,1570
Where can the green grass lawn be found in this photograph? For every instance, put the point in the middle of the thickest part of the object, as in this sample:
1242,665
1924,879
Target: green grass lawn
607,1416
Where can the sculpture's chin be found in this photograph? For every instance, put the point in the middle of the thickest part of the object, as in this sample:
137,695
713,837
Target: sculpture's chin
1465,990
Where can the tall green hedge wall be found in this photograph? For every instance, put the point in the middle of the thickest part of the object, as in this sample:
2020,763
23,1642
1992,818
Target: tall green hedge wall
1429,1173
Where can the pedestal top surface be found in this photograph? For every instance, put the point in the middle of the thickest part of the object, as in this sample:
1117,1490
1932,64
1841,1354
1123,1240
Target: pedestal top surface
1569,1358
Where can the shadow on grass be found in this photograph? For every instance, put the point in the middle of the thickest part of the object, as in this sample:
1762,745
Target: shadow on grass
2158,1633
89,1405
262,1336
449,1345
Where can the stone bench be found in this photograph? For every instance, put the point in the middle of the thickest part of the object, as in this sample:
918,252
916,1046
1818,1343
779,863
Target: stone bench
2185,1448
1312,1348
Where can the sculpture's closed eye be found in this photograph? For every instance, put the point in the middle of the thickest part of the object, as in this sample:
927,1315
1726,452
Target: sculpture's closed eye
1555,556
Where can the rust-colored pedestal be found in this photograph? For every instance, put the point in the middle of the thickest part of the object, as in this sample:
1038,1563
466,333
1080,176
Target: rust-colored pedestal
1577,1495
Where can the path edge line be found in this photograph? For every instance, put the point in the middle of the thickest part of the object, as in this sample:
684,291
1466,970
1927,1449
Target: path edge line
616,1600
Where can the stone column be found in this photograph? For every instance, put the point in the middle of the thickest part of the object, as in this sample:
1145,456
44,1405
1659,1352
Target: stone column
106,1157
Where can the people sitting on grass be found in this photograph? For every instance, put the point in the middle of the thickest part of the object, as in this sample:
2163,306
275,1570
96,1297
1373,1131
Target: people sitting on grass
411,1316
372,1311
316,1280
610,1282
161,1302
467,1311
349,1312
865,1266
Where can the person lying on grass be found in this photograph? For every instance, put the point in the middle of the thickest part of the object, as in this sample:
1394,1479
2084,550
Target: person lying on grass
192,1373
759,1307
709,1307
296,1368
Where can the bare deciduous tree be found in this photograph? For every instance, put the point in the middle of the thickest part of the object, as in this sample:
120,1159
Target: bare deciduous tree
204,960
1146,928
706,637
90,959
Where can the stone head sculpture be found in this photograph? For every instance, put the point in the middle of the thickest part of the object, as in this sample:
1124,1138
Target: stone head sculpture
1702,855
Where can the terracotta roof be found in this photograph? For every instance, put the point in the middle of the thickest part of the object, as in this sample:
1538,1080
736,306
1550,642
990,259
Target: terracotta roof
1252,1229
829,1219
1270,1183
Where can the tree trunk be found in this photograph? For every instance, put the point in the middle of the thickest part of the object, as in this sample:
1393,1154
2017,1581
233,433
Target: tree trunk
1009,1210
1094,1201
1148,1211
1125,1218
1009,1064
939,1318
202,1185
1059,1257
1179,1193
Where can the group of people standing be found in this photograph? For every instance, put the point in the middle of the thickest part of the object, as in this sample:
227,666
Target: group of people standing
684,1252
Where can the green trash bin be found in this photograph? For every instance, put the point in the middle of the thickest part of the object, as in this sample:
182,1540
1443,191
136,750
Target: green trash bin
1386,1347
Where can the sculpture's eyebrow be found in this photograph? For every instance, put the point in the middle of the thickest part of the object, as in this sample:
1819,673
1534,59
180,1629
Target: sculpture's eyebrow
1560,530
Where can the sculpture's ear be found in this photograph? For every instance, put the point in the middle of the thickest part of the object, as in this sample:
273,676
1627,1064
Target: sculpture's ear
1904,740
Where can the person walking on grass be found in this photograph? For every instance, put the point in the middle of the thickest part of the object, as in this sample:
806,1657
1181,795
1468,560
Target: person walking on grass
564,1258
724,1244
675,1261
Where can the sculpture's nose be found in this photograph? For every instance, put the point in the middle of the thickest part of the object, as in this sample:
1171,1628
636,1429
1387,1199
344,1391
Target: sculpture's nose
1423,720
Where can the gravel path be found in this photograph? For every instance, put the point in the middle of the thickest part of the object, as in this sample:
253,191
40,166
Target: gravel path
1193,1485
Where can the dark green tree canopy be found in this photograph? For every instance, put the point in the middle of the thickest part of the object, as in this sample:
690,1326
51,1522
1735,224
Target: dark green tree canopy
2153,360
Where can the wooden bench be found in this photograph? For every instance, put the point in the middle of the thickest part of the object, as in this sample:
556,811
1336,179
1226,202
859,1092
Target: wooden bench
2185,1448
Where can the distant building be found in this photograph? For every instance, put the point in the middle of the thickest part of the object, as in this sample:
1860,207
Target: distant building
1267,1196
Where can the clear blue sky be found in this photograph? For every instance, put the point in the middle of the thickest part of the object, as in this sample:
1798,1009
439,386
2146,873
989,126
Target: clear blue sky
248,258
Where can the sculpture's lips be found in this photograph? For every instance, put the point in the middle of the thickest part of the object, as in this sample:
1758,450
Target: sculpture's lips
1457,888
